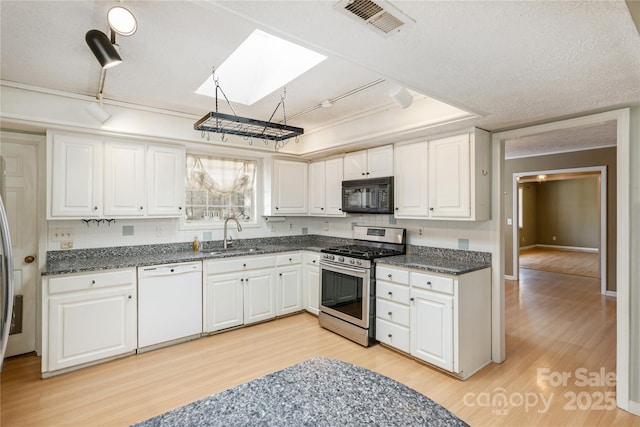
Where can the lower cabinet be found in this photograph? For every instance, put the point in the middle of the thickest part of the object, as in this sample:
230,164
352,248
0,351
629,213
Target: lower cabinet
289,283
444,320
87,318
240,291
311,283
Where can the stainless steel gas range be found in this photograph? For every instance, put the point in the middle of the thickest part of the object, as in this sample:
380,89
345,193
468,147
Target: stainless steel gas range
348,284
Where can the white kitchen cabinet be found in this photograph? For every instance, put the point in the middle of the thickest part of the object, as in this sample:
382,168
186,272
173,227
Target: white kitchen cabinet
87,318
372,163
325,187
450,181
238,291
288,283
411,181
165,180
392,307
451,320
311,283
285,188
125,187
74,175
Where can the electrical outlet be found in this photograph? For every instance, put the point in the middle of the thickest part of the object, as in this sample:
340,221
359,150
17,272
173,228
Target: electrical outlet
553,237
290,226
66,245
326,226
160,231
420,231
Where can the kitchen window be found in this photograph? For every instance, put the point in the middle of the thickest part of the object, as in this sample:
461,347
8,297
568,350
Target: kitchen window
217,188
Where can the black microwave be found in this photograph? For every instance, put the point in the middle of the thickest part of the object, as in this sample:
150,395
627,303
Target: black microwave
373,195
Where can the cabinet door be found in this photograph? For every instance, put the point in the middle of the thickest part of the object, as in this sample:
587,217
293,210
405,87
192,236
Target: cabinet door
224,301
333,187
124,179
76,176
311,291
449,179
89,326
355,165
411,180
165,180
317,181
289,295
290,187
432,328
259,296
380,161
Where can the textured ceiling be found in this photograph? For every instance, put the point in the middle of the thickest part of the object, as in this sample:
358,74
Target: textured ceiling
511,63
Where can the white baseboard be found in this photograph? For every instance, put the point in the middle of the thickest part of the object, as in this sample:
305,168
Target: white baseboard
527,247
634,407
613,294
569,248
509,277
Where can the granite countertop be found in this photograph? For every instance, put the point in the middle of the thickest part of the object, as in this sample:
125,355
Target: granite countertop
447,261
437,260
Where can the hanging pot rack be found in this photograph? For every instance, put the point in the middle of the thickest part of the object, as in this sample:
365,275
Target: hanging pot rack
232,124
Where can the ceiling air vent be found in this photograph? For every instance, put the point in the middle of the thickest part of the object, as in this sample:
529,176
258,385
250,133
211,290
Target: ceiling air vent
381,16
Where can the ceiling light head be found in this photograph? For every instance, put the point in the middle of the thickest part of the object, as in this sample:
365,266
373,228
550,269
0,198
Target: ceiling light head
541,178
401,96
97,112
104,51
122,21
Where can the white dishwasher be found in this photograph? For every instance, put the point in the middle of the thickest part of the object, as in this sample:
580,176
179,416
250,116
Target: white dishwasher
169,304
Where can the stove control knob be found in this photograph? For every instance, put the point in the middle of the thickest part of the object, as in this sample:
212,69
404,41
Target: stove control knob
359,262
341,259
352,261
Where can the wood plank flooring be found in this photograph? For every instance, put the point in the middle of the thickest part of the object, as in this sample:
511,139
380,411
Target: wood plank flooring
560,328
561,261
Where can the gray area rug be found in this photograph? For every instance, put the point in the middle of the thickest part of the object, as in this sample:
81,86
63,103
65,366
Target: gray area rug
317,392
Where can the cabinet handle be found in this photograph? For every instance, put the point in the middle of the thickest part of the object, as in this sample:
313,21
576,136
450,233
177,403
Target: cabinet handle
411,299
430,209
390,314
130,297
340,209
242,280
179,208
246,280
363,173
390,293
280,274
367,173
95,208
429,283
141,208
290,260
390,335
93,282
397,209
389,276
277,208
314,261
244,265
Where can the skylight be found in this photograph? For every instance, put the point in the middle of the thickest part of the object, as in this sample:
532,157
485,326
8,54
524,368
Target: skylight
259,66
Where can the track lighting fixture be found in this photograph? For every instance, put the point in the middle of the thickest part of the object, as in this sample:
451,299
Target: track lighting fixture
401,96
104,51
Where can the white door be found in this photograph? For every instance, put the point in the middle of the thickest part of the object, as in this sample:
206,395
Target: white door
165,180
449,177
224,301
380,161
124,179
411,180
289,290
291,187
355,165
259,296
333,187
432,328
21,160
317,180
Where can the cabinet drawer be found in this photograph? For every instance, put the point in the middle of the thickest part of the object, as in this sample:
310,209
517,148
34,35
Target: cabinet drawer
313,259
393,335
392,275
288,259
82,282
392,291
392,311
229,265
432,283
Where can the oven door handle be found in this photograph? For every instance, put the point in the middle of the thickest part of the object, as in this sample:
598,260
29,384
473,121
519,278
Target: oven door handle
339,268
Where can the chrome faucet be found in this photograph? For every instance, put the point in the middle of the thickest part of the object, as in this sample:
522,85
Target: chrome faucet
224,242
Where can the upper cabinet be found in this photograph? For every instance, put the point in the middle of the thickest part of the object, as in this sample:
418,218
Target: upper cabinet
325,187
446,178
373,163
285,188
75,176
92,177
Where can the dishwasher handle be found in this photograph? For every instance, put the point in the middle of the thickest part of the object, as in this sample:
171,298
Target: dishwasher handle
169,269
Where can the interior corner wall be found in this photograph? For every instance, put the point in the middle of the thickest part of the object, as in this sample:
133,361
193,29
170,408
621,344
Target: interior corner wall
568,213
529,231
634,274
599,157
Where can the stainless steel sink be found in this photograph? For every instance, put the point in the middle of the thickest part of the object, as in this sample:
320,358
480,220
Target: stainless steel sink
238,250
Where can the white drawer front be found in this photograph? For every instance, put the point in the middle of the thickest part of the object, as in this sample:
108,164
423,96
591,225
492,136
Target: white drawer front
432,283
228,265
312,258
392,291
288,259
92,280
392,275
392,311
393,335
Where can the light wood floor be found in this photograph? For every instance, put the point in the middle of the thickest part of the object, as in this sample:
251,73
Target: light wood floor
561,261
562,328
